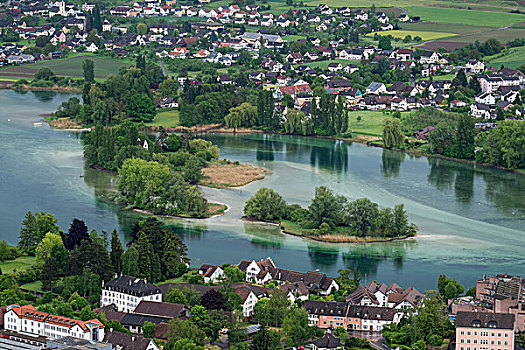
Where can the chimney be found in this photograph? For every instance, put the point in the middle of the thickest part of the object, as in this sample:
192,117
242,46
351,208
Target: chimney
145,280
132,338
116,275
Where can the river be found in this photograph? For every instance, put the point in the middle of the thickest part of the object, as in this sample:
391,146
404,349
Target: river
471,218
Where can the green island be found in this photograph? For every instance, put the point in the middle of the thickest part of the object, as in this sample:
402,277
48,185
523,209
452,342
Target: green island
331,218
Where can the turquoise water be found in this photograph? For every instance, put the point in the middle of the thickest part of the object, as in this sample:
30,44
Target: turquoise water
471,218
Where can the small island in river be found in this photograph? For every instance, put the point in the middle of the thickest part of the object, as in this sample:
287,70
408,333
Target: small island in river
331,218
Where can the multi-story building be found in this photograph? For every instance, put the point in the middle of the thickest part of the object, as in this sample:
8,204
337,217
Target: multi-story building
28,321
484,331
126,292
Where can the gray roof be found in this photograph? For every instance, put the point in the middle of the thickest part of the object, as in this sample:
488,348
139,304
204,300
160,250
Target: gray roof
132,285
374,86
484,320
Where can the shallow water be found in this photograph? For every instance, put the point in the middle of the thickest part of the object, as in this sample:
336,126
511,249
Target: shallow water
471,218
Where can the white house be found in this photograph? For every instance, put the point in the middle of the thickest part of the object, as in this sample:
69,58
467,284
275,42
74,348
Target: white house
28,321
249,299
126,292
211,273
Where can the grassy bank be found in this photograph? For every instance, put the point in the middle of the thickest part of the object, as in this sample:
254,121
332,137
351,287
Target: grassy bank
21,263
338,235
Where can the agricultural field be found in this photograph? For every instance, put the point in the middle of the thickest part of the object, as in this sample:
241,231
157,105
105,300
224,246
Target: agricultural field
514,58
425,35
467,17
71,67
292,38
443,27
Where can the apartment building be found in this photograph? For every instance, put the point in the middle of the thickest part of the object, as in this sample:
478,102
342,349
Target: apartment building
484,331
29,321
126,292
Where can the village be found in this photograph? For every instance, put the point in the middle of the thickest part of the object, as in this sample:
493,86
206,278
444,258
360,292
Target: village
490,316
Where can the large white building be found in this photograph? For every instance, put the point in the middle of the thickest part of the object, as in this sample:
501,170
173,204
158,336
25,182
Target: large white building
126,292
29,321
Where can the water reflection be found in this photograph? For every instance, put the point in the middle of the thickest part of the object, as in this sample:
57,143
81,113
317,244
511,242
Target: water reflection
506,191
391,163
44,96
323,257
334,157
367,258
264,236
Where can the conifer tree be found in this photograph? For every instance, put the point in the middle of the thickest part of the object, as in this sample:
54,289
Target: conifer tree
130,262
116,252
145,254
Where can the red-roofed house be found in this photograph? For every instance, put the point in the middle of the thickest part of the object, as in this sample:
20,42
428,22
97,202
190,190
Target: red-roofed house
27,320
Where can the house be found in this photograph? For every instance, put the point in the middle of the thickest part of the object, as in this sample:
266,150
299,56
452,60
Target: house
338,85
327,342
484,329
295,291
70,343
154,312
405,54
458,104
257,271
485,98
335,66
428,57
361,15
126,292
248,300
376,88
294,57
211,273
480,110
386,26
475,66
352,54
292,90
123,341
311,55
167,102
26,320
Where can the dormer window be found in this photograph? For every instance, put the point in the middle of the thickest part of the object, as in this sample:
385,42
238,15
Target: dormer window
476,323
493,324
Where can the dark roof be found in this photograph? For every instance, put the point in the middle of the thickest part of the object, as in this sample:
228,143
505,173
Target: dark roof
139,320
328,341
153,308
371,312
484,320
127,341
132,285
325,307
202,289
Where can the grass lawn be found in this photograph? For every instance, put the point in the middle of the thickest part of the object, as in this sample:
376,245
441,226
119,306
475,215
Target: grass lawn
513,59
292,38
423,34
71,66
469,17
32,286
324,64
371,122
440,77
443,27
165,119
21,263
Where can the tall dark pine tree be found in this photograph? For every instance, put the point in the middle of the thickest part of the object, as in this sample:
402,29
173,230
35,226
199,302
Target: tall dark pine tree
96,20
49,274
145,256
89,22
77,233
141,63
116,252
28,238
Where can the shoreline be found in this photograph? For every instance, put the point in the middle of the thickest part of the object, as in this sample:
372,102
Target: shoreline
351,239
56,88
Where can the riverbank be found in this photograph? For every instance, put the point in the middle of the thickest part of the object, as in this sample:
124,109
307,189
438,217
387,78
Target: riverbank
26,87
213,210
288,228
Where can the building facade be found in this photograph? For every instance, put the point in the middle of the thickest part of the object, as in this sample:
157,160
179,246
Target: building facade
484,331
126,292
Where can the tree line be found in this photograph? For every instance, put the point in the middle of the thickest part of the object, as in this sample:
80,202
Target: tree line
330,214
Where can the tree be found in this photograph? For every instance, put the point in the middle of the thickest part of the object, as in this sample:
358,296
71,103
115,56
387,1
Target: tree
130,262
145,256
180,329
44,248
176,296
77,233
461,78
91,257
49,274
174,253
45,74
199,316
431,318
266,204
392,134
116,252
88,66
465,134
169,88
362,215
295,326
213,300
140,108
148,328
325,207
34,228
265,109
265,339
243,115
185,344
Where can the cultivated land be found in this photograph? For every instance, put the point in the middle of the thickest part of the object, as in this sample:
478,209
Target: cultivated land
513,59
469,17
425,35
71,67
